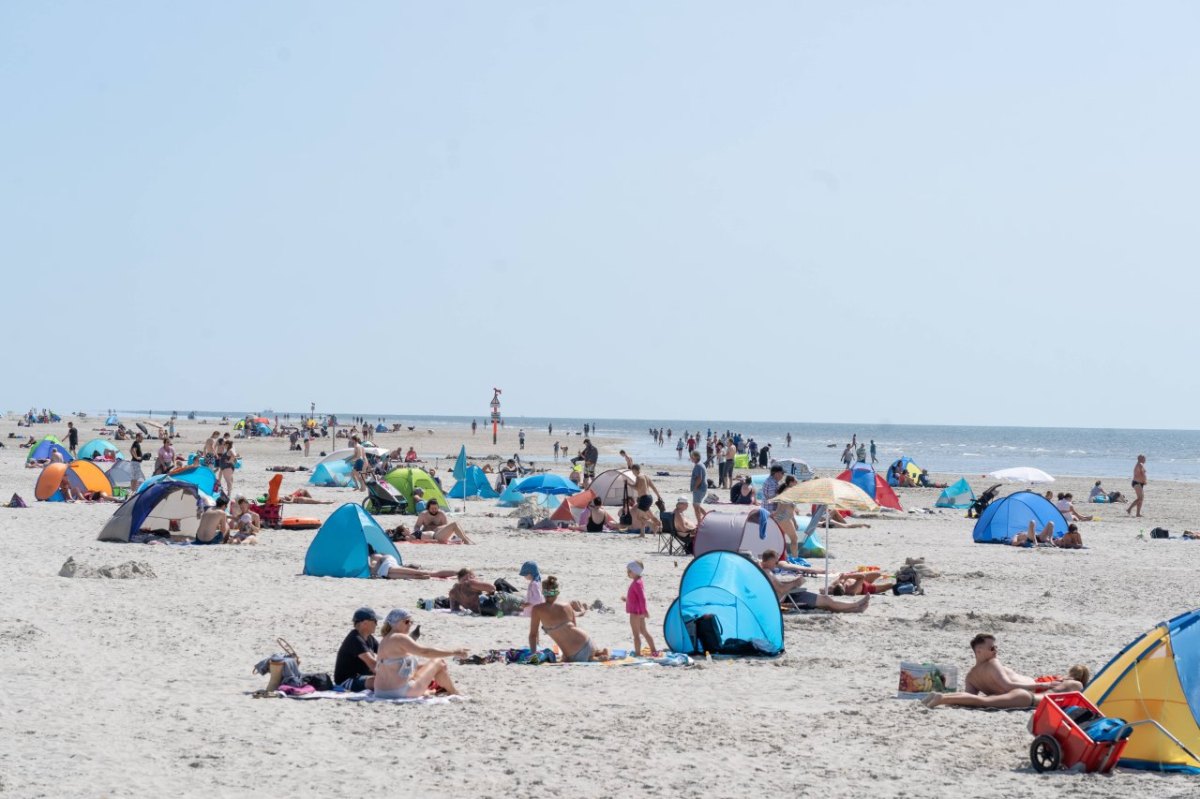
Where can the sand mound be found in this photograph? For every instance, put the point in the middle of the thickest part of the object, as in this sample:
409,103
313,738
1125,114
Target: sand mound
122,571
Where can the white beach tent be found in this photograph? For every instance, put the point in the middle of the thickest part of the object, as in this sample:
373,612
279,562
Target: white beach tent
613,486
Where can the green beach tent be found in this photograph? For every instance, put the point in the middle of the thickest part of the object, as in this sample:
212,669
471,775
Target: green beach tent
405,479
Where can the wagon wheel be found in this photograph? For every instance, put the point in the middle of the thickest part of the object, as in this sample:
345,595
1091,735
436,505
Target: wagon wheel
368,505
1045,754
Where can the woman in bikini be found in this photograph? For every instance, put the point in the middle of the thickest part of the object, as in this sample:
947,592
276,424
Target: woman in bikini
398,672
558,622
226,461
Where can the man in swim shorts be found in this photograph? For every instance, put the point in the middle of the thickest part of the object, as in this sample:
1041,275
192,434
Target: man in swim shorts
643,518
991,684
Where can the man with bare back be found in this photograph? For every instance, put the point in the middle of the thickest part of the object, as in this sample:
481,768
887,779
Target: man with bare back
991,684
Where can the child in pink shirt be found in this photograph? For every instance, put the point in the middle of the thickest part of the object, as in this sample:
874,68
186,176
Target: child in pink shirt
635,606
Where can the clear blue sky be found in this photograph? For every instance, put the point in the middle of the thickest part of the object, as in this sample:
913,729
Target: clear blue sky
910,212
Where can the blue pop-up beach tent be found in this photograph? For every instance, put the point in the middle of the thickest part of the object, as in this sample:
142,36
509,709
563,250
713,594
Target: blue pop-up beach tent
733,589
546,484
200,476
340,547
473,483
1010,515
334,474
957,495
42,450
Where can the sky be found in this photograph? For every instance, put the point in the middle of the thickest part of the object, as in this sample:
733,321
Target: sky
920,212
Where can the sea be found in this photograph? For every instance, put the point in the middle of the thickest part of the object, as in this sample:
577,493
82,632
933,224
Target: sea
971,451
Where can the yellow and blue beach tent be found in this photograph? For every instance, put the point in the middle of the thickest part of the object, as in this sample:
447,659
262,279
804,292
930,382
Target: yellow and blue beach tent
1157,677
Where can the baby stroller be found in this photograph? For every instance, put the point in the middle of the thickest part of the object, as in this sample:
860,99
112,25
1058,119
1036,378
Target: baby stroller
982,501
381,499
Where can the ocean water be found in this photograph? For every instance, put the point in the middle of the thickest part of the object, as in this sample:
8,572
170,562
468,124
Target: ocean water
1066,451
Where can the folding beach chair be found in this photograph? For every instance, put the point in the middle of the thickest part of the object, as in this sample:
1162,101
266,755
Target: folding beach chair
668,542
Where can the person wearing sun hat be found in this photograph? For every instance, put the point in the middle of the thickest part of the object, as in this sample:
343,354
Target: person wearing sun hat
355,664
399,673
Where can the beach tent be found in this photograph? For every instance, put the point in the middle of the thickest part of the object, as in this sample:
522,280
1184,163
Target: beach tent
262,428
112,420
511,497
569,510
84,476
734,590
42,450
406,478
739,531
101,447
473,483
339,549
380,428
1157,677
872,484
905,464
795,467
155,509
743,530
1010,515
956,495
348,453
612,486
122,473
335,474
198,475
546,484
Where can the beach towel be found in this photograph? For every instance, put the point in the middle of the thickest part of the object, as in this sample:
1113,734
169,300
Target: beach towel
670,659
369,696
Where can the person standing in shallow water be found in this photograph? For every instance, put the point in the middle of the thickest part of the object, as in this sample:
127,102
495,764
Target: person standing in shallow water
1139,486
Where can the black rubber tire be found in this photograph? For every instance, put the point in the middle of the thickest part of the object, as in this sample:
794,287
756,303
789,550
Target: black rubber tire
366,503
1045,754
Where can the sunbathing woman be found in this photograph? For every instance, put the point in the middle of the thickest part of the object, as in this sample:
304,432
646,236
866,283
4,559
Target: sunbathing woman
386,567
838,519
301,497
859,583
434,522
398,672
1031,537
558,622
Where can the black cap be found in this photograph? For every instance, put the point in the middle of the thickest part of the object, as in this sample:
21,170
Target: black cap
364,614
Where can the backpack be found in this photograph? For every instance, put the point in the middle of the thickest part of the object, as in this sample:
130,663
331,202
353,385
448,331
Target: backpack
908,581
708,634
1160,532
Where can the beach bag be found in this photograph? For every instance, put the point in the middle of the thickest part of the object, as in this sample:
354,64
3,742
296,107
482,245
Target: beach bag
320,681
1108,730
738,646
1160,532
17,502
708,634
908,581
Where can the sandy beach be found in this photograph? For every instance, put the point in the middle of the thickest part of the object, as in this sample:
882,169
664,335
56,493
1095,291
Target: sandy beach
142,687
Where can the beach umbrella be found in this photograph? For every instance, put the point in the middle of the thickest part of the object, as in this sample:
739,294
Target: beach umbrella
1021,474
546,484
145,430
828,493
460,471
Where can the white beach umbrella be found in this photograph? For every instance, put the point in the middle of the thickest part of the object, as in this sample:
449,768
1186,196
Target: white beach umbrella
1021,474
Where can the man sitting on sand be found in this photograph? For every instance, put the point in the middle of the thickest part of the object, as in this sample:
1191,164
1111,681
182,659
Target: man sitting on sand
806,599
991,684
434,523
214,524
354,667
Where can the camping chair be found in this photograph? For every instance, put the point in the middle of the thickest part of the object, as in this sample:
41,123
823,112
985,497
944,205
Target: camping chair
381,499
668,542
270,513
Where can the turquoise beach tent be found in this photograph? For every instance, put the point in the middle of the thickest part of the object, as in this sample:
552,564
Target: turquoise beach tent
112,420
734,590
334,474
473,483
200,476
99,446
1010,515
340,547
511,497
956,495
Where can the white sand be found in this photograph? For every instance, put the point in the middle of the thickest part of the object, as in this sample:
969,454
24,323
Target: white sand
140,687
